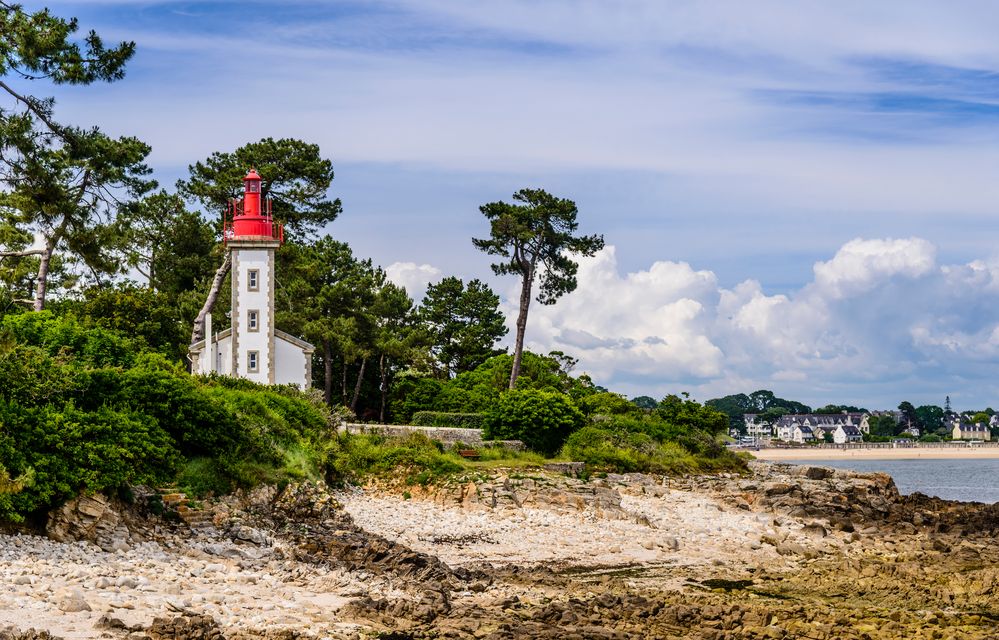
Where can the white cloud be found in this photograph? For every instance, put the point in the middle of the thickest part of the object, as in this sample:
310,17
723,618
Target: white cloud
881,322
414,277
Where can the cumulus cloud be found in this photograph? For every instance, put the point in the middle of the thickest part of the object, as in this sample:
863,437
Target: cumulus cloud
881,321
414,277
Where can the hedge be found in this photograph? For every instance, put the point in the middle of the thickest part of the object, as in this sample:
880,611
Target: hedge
448,420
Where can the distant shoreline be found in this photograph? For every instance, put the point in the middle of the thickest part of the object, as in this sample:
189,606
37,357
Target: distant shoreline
901,453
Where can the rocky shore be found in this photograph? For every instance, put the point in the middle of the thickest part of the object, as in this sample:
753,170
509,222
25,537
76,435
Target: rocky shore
786,552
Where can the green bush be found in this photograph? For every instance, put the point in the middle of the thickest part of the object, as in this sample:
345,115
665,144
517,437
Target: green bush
74,419
357,455
623,451
542,420
606,403
67,451
412,393
67,336
449,420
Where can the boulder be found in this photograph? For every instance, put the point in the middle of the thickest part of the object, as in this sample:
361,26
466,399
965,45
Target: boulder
90,518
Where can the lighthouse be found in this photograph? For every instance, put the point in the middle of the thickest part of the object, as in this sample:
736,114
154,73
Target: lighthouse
252,347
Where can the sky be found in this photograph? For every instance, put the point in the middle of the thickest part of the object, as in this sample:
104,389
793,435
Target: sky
799,197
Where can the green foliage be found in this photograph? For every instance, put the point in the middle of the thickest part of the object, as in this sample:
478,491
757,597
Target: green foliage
355,456
38,45
413,393
172,247
646,402
606,403
450,420
840,408
930,437
884,426
542,420
463,324
204,476
130,310
68,451
70,338
625,450
687,416
72,419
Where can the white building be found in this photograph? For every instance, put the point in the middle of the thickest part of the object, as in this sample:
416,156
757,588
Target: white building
253,348
845,433
802,434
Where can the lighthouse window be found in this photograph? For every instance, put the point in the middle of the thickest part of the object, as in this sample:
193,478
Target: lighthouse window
253,280
253,321
253,187
253,361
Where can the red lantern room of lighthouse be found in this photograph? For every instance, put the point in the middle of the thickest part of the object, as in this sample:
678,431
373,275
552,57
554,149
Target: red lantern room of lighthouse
251,217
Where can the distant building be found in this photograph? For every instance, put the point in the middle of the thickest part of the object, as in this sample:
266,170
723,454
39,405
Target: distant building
846,433
760,430
820,423
802,434
911,430
962,430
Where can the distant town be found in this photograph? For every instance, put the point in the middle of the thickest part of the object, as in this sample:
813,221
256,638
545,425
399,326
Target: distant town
776,421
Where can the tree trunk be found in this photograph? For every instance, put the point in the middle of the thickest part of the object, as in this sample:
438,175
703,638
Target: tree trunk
198,332
357,386
383,387
328,372
518,349
45,258
343,382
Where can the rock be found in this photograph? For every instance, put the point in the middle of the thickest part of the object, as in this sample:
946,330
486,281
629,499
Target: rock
814,530
73,602
790,548
251,535
671,542
90,518
817,473
186,627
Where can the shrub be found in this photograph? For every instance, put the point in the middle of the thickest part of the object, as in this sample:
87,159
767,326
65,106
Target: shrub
357,455
606,403
412,393
67,451
445,419
91,346
541,419
624,451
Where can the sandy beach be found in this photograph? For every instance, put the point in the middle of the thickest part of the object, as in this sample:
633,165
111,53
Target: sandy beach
906,453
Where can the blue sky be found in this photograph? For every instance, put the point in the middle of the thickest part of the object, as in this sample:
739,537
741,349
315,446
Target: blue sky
803,201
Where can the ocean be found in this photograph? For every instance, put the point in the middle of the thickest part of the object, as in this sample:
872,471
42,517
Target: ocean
965,480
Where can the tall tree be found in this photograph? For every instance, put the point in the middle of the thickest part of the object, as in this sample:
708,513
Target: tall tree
325,293
63,182
295,176
395,336
464,324
68,193
535,241
169,245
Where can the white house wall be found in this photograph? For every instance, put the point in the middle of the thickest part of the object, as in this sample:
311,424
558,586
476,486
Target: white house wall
292,364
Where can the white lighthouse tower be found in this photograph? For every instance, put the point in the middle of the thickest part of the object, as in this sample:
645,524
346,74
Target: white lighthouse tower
253,347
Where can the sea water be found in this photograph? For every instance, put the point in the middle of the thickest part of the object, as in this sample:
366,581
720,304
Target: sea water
974,480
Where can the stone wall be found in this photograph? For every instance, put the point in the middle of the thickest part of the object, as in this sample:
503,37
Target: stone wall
445,435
